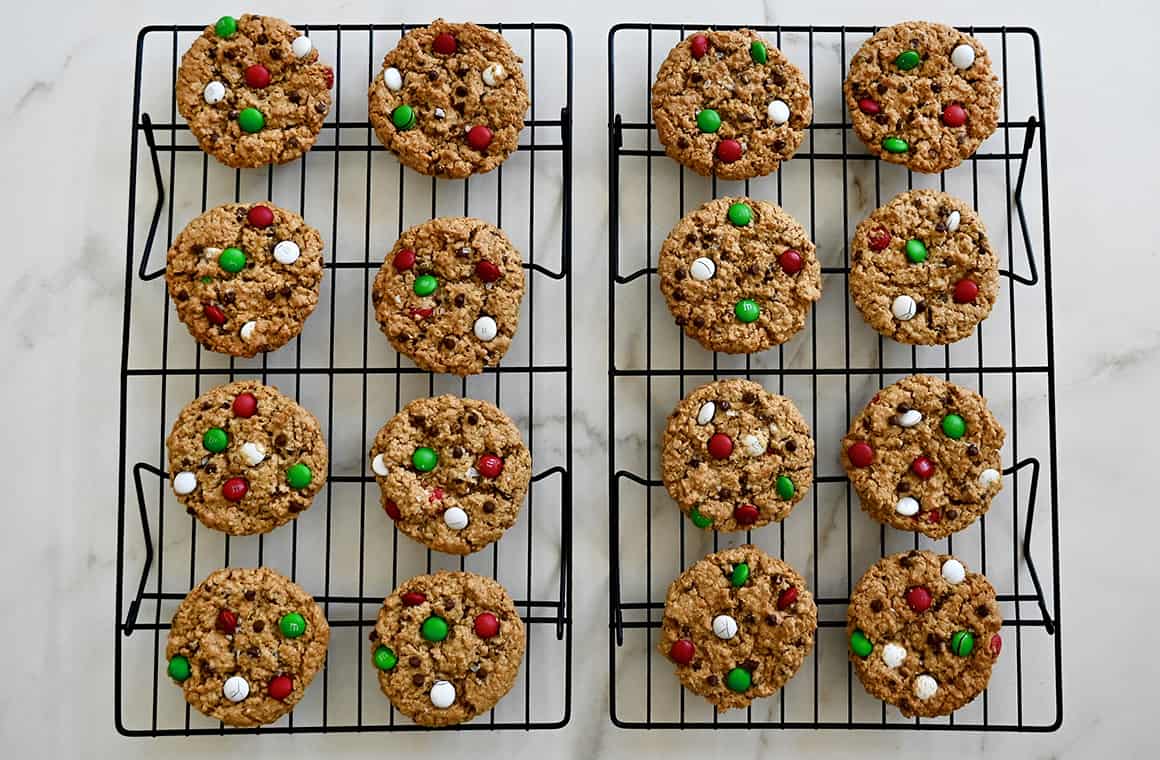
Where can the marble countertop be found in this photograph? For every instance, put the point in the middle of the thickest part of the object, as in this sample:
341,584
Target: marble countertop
65,149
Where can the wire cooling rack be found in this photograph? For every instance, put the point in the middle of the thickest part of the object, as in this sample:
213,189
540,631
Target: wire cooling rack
344,550
831,369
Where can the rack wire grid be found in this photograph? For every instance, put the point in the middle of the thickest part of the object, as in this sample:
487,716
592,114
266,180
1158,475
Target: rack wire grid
344,550
831,369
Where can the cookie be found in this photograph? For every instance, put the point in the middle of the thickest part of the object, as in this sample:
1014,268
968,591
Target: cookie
922,270
452,471
448,295
730,104
245,459
922,95
450,100
447,647
924,455
253,91
245,276
924,632
736,456
245,644
738,625
739,275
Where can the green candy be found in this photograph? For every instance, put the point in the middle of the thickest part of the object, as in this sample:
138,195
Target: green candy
251,120
700,520
403,117
785,489
915,251
907,60
226,26
747,310
894,145
860,645
232,260
215,440
738,679
292,625
740,214
434,628
954,426
740,574
178,668
757,51
299,476
962,643
708,120
425,285
207,280
424,459
385,659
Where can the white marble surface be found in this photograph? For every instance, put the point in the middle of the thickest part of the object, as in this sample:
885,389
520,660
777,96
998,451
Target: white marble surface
64,130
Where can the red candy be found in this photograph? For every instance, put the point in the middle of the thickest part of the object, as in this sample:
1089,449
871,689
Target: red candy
257,76
487,271
260,216
746,514
699,45
486,625
787,597
445,44
720,445
215,315
933,516
861,455
392,510
414,598
868,106
996,644
245,404
227,621
918,598
922,467
436,495
422,313
681,652
729,151
954,115
329,77
879,239
479,137
791,261
966,291
280,687
235,489
490,466
404,260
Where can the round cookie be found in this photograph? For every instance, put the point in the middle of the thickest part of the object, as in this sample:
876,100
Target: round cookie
447,647
245,644
739,275
448,295
736,456
244,459
730,104
450,100
924,455
253,91
452,471
738,625
922,95
245,276
924,632
922,270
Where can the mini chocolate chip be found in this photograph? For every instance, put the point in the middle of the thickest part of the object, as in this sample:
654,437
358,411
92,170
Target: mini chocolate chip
190,510
749,397
940,227
920,307
285,291
903,487
182,295
432,75
259,626
972,450
694,463
489,507
935,87
750,665
695,77
270,294
296,506
449,342
724,494
711,680
320,107
449,604
678,295
229,297
457,452
682,143
229,55
698,322
280,439
770,620
414,662
754,270
472,419
882,89
779,145
293,97
723,404
881,118
902,88
253,652
211,467
877,605
905,562
461,91
233,115
952,514
983,610
679,274
481,673
790,446
204,664
680,321
263,39
276,54
373,635
418,679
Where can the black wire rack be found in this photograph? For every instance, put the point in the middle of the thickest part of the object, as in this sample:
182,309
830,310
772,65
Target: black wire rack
344,550
831,369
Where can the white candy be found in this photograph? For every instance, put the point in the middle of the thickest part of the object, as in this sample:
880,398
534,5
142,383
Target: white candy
953,572
442,694
214,92
953,220
439,113
725,627
989,477
778,112
486,329
925,687
754,446
702,269
472,473
909,418
494,74
301,45
455,518
706,412
236,688
393,79
247,330
963,56
773,428
379,466
184,482
211,253
893,655
286,252
904,308
906,506
253,453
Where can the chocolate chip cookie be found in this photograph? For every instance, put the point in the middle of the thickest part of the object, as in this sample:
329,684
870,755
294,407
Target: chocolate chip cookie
453,472
738,625
922,95
924,632
739,275
924,455
447,647
245,459
253,91
245,644
450,100
245,276
728,103
448,295
922,270
736,456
